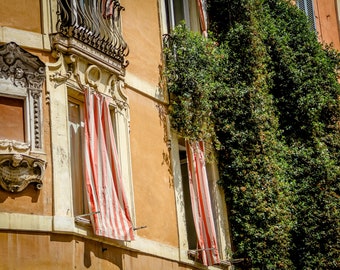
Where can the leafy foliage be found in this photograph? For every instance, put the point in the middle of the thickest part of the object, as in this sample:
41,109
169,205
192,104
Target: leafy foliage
191,85
265,91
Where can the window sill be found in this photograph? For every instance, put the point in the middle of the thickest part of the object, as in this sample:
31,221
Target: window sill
25,222
66,224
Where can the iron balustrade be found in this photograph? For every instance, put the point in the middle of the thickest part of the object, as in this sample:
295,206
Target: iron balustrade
94,22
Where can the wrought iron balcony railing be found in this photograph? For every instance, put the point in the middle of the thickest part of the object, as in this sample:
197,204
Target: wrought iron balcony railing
95,23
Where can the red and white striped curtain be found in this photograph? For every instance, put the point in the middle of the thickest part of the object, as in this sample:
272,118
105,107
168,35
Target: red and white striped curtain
103,173
202,8
201,204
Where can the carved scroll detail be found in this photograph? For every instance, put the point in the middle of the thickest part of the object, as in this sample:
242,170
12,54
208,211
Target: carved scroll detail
11,145
18,171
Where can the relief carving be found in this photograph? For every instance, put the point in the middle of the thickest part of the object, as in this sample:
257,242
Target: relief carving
18,171
26,71
11,145
117,92
21,67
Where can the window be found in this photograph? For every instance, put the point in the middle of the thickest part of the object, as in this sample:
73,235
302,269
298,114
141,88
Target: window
202,205
308,8
183,10
190,226
76,143
12,121
21,78
97,182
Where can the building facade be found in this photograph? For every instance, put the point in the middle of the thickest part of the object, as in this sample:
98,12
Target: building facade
81,102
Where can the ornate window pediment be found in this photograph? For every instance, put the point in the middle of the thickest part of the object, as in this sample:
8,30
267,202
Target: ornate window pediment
22,77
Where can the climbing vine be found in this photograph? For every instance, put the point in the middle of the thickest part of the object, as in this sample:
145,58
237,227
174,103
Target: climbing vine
265,92
190,75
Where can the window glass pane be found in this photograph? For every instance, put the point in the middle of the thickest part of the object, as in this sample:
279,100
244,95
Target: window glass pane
190,225
194,16
178,11
191,231
12,119
76,130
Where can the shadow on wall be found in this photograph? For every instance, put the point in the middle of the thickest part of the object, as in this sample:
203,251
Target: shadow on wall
90,254
30,191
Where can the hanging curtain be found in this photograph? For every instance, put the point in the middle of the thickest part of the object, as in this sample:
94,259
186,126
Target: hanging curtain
103,173
201,204
202,8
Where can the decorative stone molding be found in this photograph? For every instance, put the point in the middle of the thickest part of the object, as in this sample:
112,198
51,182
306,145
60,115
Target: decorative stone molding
80,73
26,72
93,76
116,88
70,45
21,67
18,171
12,145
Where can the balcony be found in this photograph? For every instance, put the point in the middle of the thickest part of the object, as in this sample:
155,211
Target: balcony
91,29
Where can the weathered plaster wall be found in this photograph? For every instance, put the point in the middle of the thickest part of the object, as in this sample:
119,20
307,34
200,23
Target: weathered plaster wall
153,188
152,182
327,21
141,31
26,251
21,14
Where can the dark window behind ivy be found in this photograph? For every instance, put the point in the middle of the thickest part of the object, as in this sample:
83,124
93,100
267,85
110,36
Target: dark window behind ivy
307,7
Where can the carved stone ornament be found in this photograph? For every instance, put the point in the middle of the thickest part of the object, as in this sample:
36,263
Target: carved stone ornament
11,145
21,67
25,71
18,171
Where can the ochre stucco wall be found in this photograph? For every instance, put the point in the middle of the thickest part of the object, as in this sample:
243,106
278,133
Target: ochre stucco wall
153,188
327,21
152,183
21,14
141,31
28,251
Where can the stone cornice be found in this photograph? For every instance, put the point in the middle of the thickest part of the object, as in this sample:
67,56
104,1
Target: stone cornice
69,45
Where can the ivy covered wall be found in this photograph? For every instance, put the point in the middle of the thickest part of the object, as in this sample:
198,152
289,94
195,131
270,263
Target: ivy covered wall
264,91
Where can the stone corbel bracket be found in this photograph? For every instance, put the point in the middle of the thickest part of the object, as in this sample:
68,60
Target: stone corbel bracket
18,171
